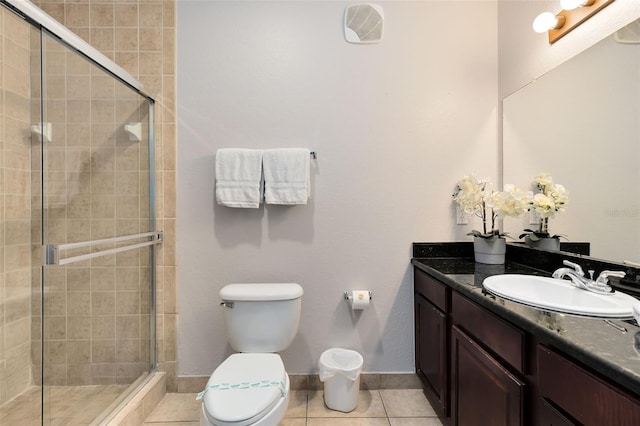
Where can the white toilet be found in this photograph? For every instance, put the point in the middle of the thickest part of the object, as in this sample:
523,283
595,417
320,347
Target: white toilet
252,387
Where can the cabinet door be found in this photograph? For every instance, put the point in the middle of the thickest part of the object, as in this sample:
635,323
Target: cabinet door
550,416
483,392
431,348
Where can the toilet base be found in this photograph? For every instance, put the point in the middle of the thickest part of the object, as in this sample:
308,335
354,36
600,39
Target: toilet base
272,418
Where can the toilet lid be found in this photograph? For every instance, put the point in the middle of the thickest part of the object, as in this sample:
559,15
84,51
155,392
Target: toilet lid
244,388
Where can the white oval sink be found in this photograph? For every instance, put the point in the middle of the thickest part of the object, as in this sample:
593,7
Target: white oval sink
559,296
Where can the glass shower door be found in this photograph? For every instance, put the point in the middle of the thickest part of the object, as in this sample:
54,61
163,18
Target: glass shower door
92,191
19,391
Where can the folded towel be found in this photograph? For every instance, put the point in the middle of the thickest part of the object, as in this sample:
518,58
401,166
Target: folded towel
286,176
238,173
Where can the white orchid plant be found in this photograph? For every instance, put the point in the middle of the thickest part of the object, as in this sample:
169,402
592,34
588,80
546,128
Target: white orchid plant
550,199
476,197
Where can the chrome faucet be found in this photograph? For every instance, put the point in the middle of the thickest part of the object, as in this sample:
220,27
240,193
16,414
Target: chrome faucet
574,272
578,279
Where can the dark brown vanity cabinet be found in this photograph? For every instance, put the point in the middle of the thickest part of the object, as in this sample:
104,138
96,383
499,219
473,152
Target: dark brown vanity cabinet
463,380
432,338
467,382
551,416
483,370
578,397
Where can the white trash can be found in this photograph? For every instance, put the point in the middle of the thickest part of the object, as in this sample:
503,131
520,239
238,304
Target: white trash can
340,371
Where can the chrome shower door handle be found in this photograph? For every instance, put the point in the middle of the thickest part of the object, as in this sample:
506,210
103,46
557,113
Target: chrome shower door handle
52,252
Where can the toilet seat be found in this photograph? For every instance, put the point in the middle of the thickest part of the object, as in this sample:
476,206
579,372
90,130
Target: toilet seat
244,388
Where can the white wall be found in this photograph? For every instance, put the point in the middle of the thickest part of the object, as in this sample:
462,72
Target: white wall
395,125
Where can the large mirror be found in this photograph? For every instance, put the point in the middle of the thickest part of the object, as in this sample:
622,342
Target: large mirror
581,123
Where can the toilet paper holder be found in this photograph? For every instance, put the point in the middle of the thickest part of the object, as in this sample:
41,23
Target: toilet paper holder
347,295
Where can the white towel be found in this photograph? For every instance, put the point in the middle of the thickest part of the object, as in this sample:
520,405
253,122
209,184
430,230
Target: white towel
238,173
286,176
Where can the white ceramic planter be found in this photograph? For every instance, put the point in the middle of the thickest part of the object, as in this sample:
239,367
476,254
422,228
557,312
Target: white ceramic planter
489,251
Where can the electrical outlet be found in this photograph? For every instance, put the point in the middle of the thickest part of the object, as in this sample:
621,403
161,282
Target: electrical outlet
534,217
461,216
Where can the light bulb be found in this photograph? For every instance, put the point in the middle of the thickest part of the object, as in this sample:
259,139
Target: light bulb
573,4
546,21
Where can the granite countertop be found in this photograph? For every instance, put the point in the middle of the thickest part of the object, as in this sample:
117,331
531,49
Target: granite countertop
596,343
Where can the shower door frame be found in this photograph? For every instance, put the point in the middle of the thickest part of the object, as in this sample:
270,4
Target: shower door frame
51,253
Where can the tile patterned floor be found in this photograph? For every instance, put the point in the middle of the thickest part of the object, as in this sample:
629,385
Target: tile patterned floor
385,407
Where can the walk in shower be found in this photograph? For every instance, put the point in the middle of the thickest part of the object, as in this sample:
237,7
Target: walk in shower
77,231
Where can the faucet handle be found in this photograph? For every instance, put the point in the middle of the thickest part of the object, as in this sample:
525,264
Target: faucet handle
603,278
575,266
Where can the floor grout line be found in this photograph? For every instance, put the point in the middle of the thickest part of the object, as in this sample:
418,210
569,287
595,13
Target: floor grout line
384,407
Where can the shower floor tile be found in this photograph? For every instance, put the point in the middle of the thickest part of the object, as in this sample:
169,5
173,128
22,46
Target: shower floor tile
64,405
23,409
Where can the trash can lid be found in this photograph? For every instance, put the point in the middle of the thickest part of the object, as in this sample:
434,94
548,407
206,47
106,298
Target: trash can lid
340,361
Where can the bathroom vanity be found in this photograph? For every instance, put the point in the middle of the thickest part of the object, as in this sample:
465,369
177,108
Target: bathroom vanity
487,361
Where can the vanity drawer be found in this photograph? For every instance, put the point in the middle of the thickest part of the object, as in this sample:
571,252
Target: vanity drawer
432,290
587,398
494,333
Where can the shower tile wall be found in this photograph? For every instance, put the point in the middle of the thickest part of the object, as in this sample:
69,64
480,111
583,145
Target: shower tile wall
15,214
139,35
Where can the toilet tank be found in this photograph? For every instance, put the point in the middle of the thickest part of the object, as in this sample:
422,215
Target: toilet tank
261,317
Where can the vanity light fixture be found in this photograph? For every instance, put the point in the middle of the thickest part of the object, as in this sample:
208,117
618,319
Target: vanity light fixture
574,13
574,4
547,21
